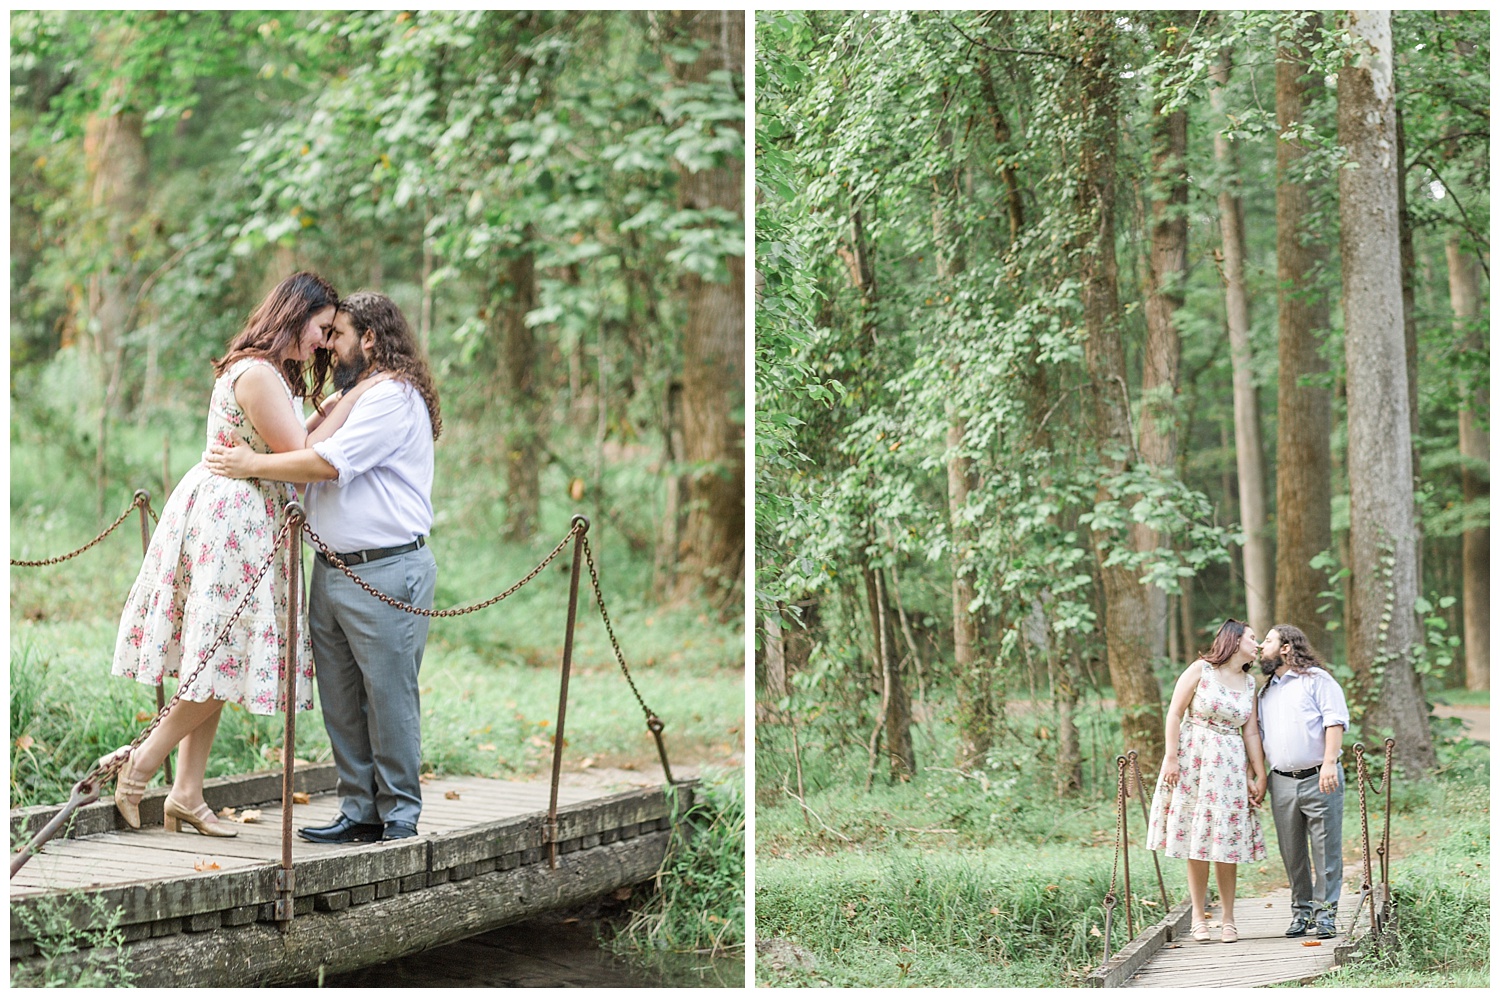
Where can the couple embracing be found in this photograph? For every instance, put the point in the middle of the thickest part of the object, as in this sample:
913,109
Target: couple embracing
365,460
1222,739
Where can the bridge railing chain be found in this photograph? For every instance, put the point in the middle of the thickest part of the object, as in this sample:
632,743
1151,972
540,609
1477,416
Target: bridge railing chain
141,501
87,789
578,534
1122,848
1145,796
1378,917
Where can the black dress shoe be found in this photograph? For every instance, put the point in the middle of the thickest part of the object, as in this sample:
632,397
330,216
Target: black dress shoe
398,830
1300,924
1326,928
342,830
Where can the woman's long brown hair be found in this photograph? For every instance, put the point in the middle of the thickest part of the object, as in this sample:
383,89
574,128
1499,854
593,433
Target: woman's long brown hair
1226,643
273,329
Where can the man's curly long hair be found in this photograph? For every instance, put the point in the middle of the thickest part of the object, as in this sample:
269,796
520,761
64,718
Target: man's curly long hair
1296,650
395,348
275,327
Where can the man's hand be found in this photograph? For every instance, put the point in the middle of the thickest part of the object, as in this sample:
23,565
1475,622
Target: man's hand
230,462
1328,777
1258,790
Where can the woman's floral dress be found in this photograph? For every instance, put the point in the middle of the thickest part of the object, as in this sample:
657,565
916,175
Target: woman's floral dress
214,536
1207,816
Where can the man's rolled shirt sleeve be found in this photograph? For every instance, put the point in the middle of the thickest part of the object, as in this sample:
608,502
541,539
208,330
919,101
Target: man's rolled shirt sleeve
1328,697
365,439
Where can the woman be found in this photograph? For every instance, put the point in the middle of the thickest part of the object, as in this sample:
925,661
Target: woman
215,535
1204,806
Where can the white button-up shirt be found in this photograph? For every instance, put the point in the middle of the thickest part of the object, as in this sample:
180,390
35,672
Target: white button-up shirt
1294,710
382,497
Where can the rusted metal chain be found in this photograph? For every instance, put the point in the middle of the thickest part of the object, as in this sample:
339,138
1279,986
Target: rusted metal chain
336,562
1385,837
1366,889
1161,884
653,722
1110,898
142,499
88,788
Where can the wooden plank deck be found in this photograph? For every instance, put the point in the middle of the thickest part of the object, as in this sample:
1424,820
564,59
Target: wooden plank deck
199,910
1262,956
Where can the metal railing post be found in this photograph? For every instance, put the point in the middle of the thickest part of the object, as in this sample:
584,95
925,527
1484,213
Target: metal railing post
581,529
142,501
285,878
1125,845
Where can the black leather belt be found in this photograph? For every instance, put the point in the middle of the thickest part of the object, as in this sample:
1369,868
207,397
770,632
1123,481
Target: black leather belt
1300,774
374,554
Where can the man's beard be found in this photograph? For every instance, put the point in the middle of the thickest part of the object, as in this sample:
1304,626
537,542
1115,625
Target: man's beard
1268,666
346,375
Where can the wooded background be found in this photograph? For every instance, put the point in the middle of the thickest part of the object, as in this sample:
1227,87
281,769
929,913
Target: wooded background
554,198
1079,332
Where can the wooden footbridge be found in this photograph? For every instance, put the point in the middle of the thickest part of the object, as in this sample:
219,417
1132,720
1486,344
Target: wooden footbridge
197,910
266,907
1164,955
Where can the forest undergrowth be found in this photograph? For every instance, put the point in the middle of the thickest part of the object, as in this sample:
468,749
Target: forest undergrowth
988,879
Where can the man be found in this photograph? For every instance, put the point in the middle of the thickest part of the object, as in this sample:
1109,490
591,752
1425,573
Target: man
370,503
1303,717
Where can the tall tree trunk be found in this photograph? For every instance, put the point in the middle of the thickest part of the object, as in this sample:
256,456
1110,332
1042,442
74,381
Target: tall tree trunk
895,702
523,436
1165,273
1382,517
1409,318
973,677
712,552
975,707
1249,460
1474,447
115,163
1135,686
1304,405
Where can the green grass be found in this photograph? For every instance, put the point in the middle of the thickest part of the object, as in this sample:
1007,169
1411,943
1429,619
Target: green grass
989,880
697,904
1461,697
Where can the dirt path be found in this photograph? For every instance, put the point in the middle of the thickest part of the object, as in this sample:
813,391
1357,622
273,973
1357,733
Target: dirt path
1476,719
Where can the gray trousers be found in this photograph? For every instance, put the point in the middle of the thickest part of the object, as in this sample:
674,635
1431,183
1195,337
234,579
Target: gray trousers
1310,832
366,656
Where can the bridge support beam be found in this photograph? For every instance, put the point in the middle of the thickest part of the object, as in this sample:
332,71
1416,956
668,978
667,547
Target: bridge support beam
259,954
1141,949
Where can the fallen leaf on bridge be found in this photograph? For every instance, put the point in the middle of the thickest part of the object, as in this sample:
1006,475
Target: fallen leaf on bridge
452,795
298,797
1312,942
201,865
248,815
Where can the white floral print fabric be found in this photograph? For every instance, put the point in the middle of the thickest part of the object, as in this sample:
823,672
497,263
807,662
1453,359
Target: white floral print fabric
215,534
1207,815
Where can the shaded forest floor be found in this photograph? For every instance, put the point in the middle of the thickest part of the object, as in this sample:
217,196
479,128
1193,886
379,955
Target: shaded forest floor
988,879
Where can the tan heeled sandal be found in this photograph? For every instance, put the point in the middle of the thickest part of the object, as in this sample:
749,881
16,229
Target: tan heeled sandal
1200,931
1231,933
127,786
202,818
